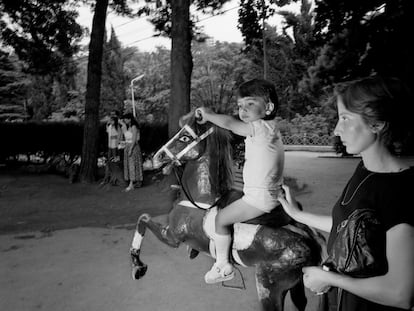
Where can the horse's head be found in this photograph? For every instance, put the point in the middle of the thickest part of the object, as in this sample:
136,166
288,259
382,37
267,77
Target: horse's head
206,151
188,144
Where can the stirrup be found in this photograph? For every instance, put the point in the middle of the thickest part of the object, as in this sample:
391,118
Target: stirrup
219,274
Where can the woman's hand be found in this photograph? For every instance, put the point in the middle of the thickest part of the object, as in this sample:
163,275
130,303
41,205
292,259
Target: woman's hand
316,279
288,202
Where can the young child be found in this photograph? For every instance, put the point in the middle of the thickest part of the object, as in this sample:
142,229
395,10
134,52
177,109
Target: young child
113,130
263,167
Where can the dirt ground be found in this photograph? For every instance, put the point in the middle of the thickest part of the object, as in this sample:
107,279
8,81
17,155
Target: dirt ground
65,246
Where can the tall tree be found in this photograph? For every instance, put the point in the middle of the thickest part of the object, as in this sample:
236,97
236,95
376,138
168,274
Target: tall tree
113,81
93,86
93,90
181,63
173,19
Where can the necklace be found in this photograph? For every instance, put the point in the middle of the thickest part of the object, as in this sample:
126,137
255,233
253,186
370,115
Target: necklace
343,203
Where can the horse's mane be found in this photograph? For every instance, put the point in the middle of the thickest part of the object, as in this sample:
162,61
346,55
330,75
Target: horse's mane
218,148
220,151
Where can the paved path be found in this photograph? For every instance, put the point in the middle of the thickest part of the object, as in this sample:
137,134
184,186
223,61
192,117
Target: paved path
88,269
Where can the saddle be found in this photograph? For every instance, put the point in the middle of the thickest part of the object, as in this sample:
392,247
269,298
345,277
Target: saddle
276,218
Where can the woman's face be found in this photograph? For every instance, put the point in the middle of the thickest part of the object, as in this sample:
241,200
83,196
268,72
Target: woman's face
251,108
355,134
127,121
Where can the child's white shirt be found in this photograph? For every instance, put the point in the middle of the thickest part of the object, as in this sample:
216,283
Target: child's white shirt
264,162
113,136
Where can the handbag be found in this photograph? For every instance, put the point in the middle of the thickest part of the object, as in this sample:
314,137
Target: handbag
359,249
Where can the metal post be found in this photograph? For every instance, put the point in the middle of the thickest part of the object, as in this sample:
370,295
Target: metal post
132,92
264,39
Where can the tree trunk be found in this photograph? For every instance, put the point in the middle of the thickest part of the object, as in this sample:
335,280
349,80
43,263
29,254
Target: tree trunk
93,90
181,63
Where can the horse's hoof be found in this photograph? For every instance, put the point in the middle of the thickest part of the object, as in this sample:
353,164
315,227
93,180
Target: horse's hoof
138,271
192,253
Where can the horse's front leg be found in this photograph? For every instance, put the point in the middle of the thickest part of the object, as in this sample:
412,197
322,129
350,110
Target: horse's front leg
272,287
161,232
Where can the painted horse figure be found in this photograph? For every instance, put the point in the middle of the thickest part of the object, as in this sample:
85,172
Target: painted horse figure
277,246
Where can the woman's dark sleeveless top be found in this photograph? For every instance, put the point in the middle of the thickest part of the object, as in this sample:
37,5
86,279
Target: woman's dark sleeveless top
390,194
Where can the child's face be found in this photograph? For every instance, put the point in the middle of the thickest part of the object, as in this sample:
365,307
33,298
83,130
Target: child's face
251,108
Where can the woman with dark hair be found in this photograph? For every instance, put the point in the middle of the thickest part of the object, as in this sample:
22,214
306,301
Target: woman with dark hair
374,121
132,153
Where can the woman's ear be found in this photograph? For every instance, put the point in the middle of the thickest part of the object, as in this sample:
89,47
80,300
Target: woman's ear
377,127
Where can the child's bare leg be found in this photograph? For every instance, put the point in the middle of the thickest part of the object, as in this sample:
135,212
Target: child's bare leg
236,212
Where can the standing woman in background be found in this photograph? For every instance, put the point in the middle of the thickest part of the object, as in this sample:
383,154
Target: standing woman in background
375,120
132,153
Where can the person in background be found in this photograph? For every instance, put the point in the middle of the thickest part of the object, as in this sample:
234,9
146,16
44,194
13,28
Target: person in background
374,118
133,169
114,132
263,169
115,113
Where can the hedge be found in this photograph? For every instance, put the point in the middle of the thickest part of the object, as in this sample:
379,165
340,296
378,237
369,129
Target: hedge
65,137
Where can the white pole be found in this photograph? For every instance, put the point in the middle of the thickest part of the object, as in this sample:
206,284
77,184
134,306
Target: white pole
133,103
132,92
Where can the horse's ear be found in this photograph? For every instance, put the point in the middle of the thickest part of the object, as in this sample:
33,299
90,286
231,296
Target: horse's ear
187,118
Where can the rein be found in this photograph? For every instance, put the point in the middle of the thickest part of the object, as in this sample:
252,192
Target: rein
188,194
197,139
176,158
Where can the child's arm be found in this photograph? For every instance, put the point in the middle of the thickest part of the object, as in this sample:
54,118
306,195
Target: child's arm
228,122
123,126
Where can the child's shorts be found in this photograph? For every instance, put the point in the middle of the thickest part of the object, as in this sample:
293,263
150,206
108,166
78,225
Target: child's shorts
262,199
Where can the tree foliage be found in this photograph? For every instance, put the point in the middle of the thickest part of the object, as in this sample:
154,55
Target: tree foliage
289,54
152,93
173,19
43,33
253,15
113,80
360,38
13,88
218,69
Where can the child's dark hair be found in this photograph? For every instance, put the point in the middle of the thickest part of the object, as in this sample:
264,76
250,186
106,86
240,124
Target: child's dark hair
116,123
381,99
260,88
131,117
115,112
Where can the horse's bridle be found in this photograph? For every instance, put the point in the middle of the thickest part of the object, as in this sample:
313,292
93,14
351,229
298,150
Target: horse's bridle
197,139
176,158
